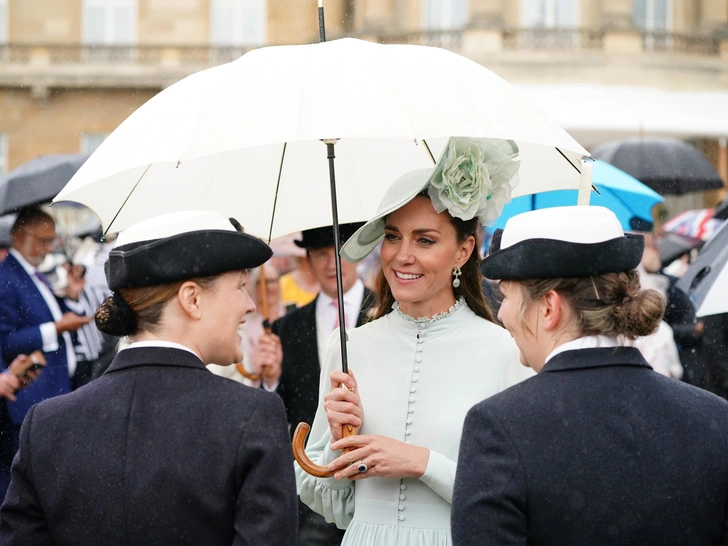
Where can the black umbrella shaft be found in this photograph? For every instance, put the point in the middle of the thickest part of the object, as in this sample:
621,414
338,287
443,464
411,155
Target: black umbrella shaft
322,27
337,257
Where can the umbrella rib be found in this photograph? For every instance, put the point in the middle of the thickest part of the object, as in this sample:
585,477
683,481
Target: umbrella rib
126,200
593,187
278,185
427,147
568,160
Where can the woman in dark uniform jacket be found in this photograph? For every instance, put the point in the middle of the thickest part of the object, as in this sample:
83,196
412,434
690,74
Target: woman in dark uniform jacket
159,451
597,448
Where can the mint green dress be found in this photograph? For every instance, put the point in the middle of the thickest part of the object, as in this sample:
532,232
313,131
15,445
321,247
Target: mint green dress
417,378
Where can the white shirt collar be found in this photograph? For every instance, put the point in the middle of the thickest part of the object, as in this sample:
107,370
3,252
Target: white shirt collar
29,268
586,342
160,343
354,295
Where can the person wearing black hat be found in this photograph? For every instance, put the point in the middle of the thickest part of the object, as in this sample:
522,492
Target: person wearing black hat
289,357
597,448
187,457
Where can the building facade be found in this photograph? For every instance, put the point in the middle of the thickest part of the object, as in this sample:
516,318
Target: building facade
72,70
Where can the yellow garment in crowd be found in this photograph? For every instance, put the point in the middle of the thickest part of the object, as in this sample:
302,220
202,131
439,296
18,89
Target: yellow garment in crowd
292,293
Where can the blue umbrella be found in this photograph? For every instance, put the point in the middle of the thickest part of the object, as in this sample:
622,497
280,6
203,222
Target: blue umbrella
621,193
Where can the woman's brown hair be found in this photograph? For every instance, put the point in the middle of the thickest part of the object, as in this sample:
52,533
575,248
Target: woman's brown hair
133,310
471,280
611,304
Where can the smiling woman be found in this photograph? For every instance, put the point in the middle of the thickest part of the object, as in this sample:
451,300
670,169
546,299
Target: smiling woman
179,290
431,352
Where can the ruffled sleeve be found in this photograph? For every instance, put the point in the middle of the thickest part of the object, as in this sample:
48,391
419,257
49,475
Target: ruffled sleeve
332,498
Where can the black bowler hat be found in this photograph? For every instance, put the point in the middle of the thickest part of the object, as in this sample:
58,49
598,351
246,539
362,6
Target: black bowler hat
562,242
323,237
181,246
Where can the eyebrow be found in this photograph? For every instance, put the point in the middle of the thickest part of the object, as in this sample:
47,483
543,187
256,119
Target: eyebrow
415,231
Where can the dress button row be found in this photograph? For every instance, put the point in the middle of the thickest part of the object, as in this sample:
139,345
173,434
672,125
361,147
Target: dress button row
414,379
417,369
419,348
400,517
413,389
402,497
409,421
406,432
418,359
403,487
410,410
400,508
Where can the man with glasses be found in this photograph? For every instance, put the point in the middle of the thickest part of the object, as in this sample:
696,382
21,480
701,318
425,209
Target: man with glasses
32,317
292,354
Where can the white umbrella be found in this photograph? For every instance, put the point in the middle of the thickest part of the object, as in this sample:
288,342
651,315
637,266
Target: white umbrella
244,138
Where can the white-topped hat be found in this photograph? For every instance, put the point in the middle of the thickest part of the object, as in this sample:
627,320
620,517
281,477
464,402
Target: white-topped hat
473,178
562,242
180,246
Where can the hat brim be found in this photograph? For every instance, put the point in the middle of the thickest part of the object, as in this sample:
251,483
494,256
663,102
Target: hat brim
183,257
402,191
552,259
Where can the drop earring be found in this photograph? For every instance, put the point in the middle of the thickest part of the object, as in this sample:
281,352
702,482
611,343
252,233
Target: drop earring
456,274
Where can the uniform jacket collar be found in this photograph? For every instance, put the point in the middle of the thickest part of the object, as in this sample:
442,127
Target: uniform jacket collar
154,356
596,358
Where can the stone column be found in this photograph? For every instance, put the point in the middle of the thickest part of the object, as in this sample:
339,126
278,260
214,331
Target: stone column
486,13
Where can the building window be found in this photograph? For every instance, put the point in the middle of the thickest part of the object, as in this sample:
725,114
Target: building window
444,14
236,23
550,13
109,22
3,21
655,18
654,15
91,141
3,154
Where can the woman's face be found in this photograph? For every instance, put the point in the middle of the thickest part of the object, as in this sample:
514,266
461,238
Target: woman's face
225,306
522,327
419,252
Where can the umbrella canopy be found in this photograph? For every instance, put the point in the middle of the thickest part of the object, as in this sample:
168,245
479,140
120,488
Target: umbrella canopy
244,138
621,193
6,224
667,165
37,181
673,245
698,224
706,281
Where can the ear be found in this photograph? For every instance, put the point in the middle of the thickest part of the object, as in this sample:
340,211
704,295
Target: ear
551,310
189,295
465,250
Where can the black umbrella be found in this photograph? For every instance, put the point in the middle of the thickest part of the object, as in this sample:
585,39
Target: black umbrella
37,181
706,281
673,245
667,165
721,210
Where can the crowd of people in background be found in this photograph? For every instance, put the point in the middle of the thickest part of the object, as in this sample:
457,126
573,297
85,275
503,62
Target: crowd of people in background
48,297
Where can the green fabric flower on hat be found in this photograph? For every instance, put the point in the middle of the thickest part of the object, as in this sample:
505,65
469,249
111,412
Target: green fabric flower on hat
474,177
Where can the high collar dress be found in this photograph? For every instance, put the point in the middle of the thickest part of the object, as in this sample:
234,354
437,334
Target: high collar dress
417,379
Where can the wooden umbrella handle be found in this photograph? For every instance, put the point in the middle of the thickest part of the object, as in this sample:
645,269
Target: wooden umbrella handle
245,373
299,451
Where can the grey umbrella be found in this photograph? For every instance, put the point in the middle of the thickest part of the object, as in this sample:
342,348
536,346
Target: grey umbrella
706,281
6,224
667,165
37,181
